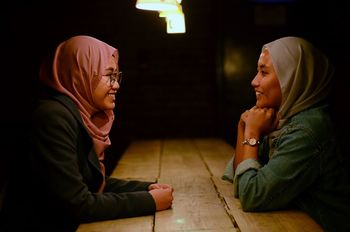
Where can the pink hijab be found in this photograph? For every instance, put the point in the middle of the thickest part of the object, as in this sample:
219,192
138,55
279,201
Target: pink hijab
77,67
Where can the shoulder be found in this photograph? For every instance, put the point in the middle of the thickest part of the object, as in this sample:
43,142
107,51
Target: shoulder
312,126
52,104
48,109
314,115
316,120
53,113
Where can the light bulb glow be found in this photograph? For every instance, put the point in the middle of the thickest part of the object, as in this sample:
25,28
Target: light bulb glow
175,23
157,5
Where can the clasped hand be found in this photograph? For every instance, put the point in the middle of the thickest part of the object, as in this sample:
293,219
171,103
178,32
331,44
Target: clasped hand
162,195
261,121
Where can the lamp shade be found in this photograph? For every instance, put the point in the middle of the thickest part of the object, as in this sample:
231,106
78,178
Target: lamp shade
157,5
175,20
175,23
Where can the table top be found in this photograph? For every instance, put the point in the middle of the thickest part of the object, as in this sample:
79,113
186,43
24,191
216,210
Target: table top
202,200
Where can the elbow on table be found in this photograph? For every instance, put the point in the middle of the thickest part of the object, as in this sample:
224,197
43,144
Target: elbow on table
254,199
258,203
253,204
248,206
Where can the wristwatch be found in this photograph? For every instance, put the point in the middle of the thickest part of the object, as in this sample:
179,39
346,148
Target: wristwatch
251,142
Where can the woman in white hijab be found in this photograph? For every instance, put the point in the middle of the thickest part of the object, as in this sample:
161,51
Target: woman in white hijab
286,151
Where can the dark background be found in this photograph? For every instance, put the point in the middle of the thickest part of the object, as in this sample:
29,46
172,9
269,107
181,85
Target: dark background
176,85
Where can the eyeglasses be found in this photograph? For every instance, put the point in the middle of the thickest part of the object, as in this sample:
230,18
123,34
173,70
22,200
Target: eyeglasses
114,77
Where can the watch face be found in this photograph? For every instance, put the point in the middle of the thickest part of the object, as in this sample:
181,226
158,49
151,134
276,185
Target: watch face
252,141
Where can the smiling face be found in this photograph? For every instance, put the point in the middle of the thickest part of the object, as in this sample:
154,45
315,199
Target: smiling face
266,84
104,93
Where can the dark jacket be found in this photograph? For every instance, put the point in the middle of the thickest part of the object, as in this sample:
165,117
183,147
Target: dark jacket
55,183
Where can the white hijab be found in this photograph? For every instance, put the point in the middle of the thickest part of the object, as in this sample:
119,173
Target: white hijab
304,73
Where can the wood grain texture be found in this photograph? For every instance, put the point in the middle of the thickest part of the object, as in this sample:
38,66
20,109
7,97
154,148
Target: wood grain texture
202,200
144,224
140,161
283,220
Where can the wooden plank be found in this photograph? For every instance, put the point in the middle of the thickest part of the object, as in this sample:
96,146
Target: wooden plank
134,171
191,185
140,160
133,224
196,207
274,221
215,153
194,213
144,146
225,188
181,157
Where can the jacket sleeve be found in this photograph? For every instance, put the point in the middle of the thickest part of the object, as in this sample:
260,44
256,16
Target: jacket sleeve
293,167
119,185
56,163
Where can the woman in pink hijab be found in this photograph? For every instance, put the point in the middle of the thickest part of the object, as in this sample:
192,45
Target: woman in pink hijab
65,182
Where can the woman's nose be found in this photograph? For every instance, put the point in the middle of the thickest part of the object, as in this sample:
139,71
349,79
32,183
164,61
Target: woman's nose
255,81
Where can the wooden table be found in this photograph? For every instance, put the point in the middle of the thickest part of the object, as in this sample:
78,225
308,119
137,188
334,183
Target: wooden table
202,201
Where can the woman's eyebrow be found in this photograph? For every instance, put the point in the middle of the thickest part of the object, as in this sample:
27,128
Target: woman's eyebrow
261,66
